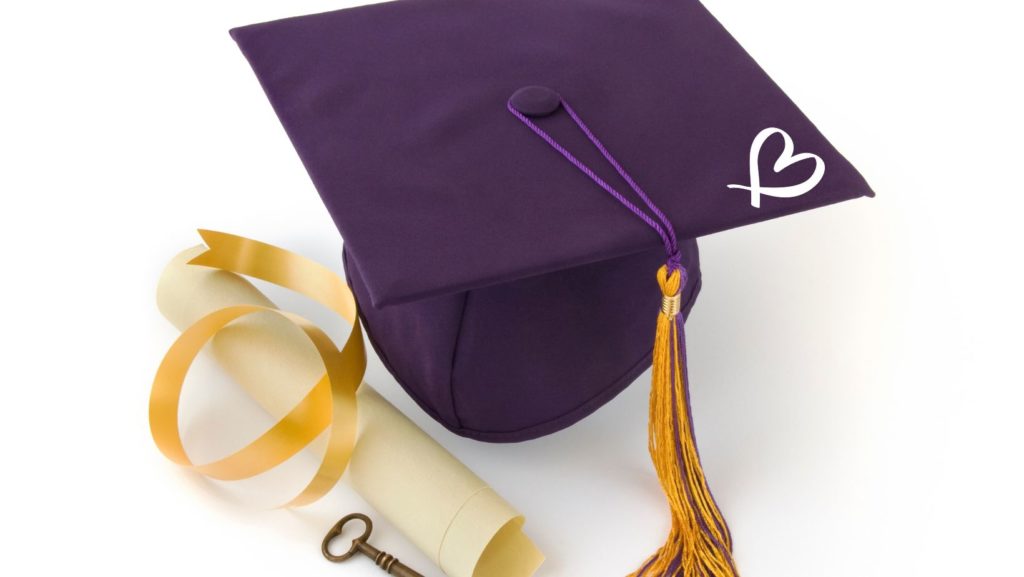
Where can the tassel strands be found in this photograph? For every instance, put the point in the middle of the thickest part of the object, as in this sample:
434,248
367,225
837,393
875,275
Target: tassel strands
699,543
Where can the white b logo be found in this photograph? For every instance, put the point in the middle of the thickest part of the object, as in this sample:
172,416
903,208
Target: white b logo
786,159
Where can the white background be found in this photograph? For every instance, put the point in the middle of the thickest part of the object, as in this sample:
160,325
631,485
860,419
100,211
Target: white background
856,369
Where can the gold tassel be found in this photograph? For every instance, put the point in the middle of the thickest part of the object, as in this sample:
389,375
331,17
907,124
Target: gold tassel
699,544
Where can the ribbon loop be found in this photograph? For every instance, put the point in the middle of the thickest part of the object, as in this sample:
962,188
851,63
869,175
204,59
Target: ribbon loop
330,404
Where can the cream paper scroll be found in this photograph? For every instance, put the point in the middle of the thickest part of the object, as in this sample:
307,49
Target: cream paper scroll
432,498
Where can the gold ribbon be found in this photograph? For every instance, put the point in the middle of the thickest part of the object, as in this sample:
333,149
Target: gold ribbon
330,404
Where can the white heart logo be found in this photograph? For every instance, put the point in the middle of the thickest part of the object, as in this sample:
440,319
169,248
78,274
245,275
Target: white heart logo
786,159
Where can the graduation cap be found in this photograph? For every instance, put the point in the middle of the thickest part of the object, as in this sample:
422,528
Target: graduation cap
519,186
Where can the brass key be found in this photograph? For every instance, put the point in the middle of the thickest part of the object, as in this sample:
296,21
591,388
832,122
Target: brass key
385,561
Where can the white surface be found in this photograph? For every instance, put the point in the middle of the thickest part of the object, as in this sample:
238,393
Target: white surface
856,369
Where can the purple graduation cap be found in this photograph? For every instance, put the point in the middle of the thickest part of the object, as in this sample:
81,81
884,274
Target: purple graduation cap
519,185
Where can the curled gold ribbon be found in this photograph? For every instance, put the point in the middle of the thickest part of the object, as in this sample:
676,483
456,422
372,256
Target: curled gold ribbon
331,403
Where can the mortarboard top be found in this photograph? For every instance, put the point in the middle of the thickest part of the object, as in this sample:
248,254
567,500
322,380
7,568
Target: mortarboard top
398,111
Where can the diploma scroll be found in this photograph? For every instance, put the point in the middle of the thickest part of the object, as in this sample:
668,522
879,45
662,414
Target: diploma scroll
432,498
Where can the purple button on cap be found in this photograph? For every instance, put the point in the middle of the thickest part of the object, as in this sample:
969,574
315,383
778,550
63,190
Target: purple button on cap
536,101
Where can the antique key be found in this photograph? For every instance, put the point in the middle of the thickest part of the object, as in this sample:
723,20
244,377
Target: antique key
385,561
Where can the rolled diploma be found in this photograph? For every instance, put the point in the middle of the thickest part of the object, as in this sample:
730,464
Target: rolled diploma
424,491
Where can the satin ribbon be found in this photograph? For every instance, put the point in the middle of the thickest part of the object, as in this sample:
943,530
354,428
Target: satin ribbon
331,404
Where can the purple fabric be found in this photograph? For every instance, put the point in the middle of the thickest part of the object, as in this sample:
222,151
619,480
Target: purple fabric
504,290
527,358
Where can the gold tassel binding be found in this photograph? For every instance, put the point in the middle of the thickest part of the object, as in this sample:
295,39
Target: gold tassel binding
699,544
